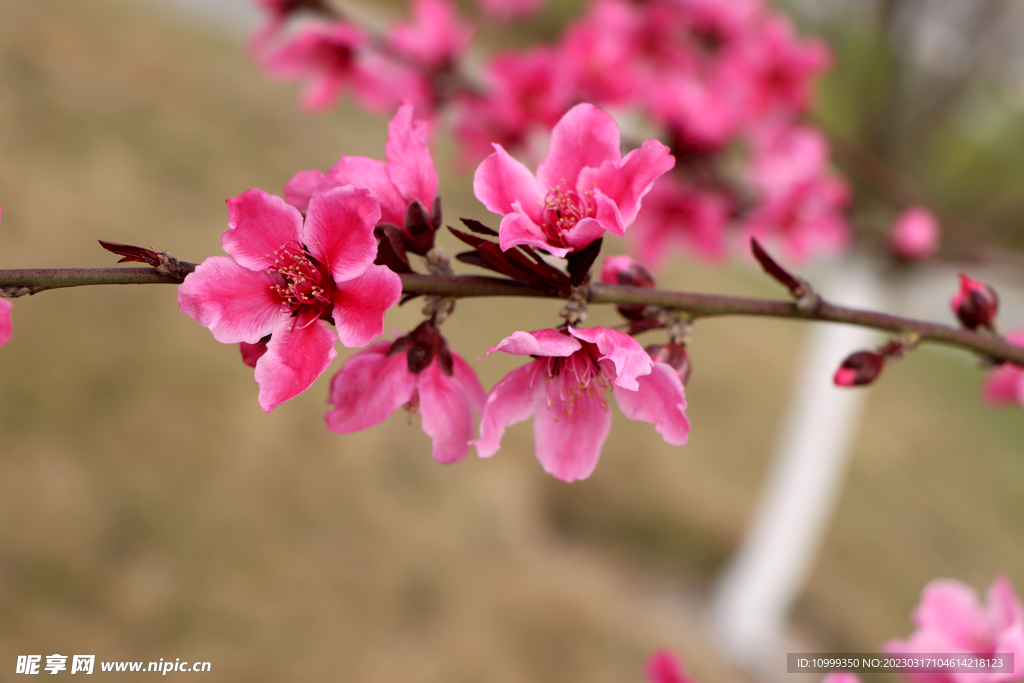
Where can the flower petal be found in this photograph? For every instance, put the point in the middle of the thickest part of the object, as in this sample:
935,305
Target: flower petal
510,401
659,400
539,343
952,608
582,234
409,164
608,215
369,387
462,372
339,230
259,224
5,321
518,228
360,304
1002,384
1002,608
295,357
629,358
569,434
373,175
585,137
236,303
500,181
627,183
447,416
301,187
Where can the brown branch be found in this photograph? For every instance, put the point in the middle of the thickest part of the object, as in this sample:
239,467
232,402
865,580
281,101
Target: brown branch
15,283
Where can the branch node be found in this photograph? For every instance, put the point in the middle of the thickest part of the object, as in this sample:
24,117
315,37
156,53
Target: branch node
436,307
168,265
575,310
808,300
14,291
678,326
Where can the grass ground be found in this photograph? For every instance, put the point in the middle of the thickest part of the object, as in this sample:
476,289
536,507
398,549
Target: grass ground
149,508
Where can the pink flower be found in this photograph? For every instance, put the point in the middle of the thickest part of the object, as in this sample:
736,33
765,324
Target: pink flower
322,55
599,53
704,116
675,212
718,25
278,12
563,390
801,203
384,82
418,370
583,188
5,313
841,677
284,277
781,68
915,234
950,620
1004,384
526,91
408,175
434,38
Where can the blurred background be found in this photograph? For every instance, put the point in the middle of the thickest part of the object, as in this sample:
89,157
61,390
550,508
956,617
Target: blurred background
150,509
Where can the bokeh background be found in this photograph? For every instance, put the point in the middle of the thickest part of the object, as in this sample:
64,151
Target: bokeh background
150,509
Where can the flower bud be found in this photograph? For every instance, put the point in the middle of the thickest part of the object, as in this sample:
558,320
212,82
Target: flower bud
858,369
622,270
975,305
915,234
673,355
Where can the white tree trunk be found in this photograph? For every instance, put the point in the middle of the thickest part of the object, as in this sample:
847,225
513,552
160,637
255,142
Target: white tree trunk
754,594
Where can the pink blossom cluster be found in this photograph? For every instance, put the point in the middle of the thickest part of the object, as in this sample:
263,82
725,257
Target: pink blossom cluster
719,79
329,55
330,252
725,82
950,620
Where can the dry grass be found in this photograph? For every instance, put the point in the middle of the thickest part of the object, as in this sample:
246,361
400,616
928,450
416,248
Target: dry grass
148,507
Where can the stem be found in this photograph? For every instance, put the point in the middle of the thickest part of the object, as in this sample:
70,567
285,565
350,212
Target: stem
15,283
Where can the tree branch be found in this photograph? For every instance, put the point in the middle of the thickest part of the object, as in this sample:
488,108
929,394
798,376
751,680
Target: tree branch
15,283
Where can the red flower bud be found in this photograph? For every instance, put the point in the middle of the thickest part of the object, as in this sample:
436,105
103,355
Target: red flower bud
622,270
673,355
858,369
975,305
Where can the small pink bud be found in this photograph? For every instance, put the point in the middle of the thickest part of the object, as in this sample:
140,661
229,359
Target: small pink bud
673,355
858,369
915,234
976,304
622,270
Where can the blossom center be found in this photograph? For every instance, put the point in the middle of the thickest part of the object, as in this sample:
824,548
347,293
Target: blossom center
575,380
305,283
563,208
